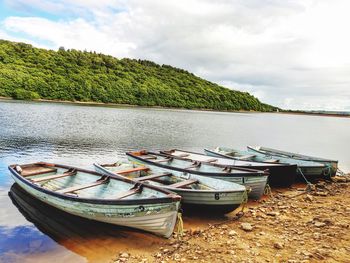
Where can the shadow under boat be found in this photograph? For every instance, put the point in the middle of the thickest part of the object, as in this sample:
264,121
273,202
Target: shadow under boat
85,237
96,241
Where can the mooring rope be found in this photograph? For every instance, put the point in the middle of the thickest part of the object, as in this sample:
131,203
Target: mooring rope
267,190
179,225
244,200
307,182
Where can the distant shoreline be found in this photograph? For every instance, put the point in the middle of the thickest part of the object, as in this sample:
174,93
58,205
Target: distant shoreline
315,114
116,105
101,104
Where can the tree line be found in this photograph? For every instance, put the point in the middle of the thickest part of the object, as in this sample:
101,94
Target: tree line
30,73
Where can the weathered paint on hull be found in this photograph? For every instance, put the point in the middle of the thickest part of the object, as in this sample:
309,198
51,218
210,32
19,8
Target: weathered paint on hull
255,183
310,173
159,219
210,198
280,175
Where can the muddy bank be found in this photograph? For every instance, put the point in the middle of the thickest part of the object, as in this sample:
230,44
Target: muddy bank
290,226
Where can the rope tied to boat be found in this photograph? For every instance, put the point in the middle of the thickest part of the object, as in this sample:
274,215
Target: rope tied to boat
267,190
302,174
244,200
179,225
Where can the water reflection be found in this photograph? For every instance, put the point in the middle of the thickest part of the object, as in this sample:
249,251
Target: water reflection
92,240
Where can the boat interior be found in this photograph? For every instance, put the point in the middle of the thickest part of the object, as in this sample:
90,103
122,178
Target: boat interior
158,178
84,184
184,161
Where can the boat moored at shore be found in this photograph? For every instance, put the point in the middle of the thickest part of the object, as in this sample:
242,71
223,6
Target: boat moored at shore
197,191
281,175
253,179
91,195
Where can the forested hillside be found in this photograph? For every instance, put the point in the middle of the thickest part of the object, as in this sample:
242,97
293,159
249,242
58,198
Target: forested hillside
27,72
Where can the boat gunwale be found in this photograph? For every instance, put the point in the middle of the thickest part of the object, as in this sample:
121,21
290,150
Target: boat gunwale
170,198
254,173
253,167
296,156
110,173
162,153
280,164
317,164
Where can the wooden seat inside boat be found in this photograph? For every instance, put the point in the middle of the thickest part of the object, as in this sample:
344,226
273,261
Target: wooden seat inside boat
36,170
81,187
151,177
182,155
137,169
212,160
55,176
247,157
271,161
183,183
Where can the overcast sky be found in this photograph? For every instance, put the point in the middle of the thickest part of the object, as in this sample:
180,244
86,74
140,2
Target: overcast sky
291,54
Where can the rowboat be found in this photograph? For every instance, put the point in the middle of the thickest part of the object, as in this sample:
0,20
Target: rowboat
282,175
333,164
197,191
307,169
252,179
91,195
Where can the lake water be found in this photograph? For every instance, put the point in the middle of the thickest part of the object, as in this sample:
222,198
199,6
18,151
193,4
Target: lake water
80,135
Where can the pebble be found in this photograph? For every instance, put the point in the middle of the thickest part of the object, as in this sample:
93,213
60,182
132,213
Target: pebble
232,233
309,198
319,224
247,227
124,255
272,213
278,245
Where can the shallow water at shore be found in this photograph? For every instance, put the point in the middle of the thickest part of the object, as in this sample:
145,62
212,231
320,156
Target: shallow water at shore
80,135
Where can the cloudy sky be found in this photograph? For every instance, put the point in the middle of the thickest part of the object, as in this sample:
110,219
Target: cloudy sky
292,54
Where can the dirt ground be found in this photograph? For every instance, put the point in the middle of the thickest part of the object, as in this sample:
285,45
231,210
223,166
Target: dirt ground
291,225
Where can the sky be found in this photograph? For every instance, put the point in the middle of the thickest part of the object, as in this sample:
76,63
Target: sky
291,54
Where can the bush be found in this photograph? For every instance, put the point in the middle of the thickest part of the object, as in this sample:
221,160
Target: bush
22,94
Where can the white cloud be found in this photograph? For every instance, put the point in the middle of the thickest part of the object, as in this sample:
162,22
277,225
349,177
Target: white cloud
291,54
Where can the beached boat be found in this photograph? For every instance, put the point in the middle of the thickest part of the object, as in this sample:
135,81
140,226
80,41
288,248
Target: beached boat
282,175
309,170
198,192
252,179
333,164
91,195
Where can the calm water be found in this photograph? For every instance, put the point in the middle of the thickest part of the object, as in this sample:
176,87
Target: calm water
80,135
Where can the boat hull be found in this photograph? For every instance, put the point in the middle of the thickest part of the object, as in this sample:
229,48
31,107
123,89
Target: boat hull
280,175
254,184
306,168
159,218
331,164
218,200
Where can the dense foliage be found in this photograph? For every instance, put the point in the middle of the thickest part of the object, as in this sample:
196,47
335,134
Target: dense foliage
32,73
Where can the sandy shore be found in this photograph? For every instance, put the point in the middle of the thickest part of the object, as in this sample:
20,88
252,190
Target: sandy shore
290,226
